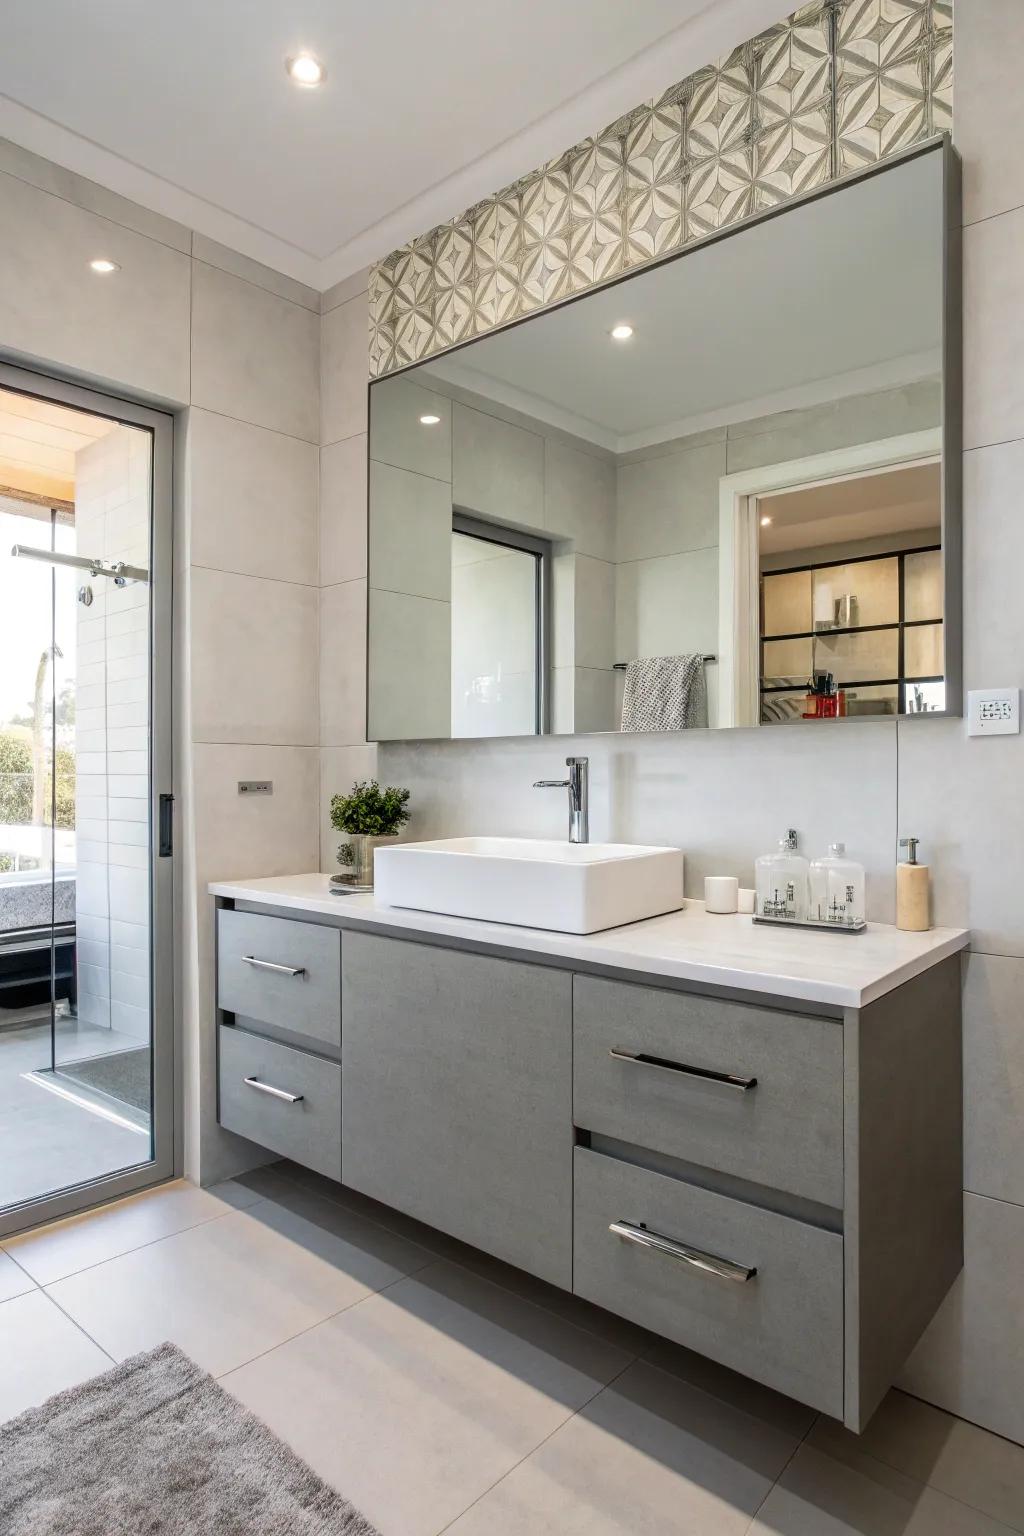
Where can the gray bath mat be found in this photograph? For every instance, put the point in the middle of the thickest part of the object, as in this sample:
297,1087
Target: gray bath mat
156,1448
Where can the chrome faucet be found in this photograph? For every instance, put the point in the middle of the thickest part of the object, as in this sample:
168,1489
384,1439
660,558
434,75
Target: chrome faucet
579,799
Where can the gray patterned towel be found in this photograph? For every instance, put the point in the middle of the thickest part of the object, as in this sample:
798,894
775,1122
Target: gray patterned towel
665,693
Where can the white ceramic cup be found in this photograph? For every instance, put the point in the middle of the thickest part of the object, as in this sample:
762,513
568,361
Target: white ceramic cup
746,900
721,893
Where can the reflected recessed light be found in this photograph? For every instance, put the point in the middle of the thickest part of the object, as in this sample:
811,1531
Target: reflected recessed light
304,69
429,421
621,332
766,522
102,264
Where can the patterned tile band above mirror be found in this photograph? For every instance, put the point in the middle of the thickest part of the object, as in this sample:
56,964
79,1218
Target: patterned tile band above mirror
837,86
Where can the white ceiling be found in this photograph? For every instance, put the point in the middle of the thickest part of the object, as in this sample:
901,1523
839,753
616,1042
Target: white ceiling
186,106
837,297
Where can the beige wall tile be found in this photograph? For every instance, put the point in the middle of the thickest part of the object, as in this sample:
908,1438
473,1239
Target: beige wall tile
971,1358
497,469
344,370
343,664
961,796
667,505
253,499
993,330
989,46
128,330
343,510
410,667
994,1077
819,429
216,255
410,533
579,499
399,437
253,660
993,560
255,356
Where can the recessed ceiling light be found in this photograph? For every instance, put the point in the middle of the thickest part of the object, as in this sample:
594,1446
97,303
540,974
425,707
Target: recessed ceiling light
766,522
103,264
304,69
621,332
429,421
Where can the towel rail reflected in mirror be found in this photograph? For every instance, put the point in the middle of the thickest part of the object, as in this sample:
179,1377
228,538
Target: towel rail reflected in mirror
765,476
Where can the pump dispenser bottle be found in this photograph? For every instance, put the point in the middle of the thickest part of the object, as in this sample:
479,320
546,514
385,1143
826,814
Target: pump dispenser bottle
780,880
912,891
837,889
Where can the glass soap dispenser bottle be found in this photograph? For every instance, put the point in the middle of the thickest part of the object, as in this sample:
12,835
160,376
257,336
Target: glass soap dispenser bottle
780,881
837,889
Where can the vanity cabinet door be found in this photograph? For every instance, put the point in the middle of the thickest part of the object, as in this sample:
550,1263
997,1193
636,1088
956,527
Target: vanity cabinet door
457,1095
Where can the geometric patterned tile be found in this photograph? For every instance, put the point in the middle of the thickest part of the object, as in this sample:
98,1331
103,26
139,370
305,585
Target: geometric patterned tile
836,86
793,106
882,72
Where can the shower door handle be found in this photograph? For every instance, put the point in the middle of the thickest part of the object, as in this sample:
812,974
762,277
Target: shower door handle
166,827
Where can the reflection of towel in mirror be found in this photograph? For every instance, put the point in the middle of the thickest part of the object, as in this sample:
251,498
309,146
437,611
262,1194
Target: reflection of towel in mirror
665,693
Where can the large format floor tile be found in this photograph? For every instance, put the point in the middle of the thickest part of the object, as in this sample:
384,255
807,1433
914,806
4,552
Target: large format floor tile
817,1496
933,1447
13,1280
416,1401
234,1287
41,1352
65,1247
648,1455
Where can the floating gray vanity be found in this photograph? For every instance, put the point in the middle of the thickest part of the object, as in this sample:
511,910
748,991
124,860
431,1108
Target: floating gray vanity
747,1141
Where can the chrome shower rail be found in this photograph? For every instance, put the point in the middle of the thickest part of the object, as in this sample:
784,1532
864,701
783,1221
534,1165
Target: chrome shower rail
119,573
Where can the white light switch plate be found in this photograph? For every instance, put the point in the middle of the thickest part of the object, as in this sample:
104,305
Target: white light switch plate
993,712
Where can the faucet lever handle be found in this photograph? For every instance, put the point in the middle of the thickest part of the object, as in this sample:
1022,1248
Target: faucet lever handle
551,783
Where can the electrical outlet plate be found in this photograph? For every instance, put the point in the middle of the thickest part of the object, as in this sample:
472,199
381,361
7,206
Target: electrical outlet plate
993,712
255,786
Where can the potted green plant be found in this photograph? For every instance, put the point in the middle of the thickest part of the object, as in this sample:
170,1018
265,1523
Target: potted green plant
368,816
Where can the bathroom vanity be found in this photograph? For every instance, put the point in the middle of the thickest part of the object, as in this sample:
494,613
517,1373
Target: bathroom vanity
746,1140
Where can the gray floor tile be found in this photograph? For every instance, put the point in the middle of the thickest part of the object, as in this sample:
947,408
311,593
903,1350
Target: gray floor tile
818,1496
64,1247
648,1455
41,1352
933,1447
13,1280
231,1288
739,1391
419,1399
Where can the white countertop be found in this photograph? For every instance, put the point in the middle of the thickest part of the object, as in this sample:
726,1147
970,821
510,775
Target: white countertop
845,970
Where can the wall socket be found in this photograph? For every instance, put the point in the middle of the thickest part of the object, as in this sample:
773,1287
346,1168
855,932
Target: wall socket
993,712
255,786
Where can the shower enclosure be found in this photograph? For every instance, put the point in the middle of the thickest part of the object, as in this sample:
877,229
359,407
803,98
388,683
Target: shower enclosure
86,1003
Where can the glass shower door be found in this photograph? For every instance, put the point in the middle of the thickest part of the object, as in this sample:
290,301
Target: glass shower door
85,1093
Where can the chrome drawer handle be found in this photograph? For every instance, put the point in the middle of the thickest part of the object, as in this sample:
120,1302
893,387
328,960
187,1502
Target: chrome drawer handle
727,1079
710,1263
272,965
275,1093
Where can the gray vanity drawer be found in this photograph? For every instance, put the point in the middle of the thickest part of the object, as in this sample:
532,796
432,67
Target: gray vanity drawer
785,1133
280,972
307,1130
784,1326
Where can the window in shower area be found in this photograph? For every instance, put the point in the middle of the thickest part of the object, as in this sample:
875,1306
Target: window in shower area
75,876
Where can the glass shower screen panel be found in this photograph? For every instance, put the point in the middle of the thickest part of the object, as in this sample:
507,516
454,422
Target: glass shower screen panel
76,1090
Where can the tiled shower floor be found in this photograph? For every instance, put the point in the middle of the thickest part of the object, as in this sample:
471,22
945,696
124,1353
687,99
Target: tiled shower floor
48,1141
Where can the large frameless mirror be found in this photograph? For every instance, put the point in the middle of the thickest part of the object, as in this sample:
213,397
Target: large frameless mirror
722,492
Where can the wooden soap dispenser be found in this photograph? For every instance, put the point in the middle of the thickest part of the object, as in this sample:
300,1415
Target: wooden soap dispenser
912,894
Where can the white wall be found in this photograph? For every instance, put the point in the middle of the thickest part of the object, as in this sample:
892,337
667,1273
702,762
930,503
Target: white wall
232,348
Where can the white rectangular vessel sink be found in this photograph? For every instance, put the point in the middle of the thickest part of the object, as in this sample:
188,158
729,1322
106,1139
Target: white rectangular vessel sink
567,887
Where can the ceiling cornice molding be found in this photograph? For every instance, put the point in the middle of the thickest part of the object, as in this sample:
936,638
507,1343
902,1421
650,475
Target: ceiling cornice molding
720,26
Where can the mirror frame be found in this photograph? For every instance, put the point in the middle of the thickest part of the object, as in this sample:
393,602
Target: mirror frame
950,423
